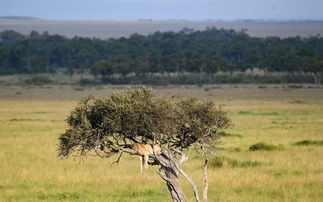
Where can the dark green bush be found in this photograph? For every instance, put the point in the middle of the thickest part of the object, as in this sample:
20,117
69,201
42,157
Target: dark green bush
39,80
295,86
261,146
84,81
221,161
309,142
225,134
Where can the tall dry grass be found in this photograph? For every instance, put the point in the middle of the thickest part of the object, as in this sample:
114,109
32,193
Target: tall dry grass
31,121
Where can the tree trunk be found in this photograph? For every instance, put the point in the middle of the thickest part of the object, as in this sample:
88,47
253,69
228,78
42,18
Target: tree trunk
201,74
170,175
174,186
170,167
206,181
317,78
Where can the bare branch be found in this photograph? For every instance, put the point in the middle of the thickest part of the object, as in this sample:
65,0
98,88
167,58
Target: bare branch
183,158
118,159
176,164
206,181
106,154
115,139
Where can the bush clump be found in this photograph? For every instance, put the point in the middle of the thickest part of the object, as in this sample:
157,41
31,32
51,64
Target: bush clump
309,142
225,134
222,161
39,80
261,146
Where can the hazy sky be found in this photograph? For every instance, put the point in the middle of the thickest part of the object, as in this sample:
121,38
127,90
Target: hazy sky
165,9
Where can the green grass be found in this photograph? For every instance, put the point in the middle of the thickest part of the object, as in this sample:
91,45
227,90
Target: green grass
31,122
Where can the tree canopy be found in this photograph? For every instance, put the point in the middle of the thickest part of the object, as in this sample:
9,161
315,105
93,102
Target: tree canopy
122,122
109,125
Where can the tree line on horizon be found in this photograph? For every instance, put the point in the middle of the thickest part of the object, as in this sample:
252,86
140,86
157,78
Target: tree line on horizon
209,51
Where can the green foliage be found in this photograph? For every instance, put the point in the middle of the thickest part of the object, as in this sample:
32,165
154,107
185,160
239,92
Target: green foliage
208,51
309,142
261,146
222,161
39,80
140,116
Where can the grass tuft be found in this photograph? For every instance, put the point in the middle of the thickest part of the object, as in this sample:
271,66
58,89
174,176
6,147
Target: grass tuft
41,112
296,102
222,161
295,86
309,142
261,146
39,80
25,119
258,113
225,134
62,196
233,149
79,89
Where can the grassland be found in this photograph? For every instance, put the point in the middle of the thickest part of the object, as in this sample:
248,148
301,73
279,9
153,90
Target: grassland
32,118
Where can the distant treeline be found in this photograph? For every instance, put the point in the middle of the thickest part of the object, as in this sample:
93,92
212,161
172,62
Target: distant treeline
201,52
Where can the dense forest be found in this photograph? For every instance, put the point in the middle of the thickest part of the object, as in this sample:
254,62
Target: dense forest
203,53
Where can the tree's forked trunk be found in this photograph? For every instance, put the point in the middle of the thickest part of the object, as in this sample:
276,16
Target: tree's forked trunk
169,171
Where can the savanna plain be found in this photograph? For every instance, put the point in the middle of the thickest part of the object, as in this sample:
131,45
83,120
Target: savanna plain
283,168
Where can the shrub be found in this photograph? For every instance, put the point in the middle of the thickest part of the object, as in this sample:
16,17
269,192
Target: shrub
84,81
39,80
78,89
62,196
256,113
296,102
261,146
224,134
295,86
222,161
233,149
308,142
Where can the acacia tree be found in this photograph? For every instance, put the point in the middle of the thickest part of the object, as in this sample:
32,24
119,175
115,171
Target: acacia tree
110,125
